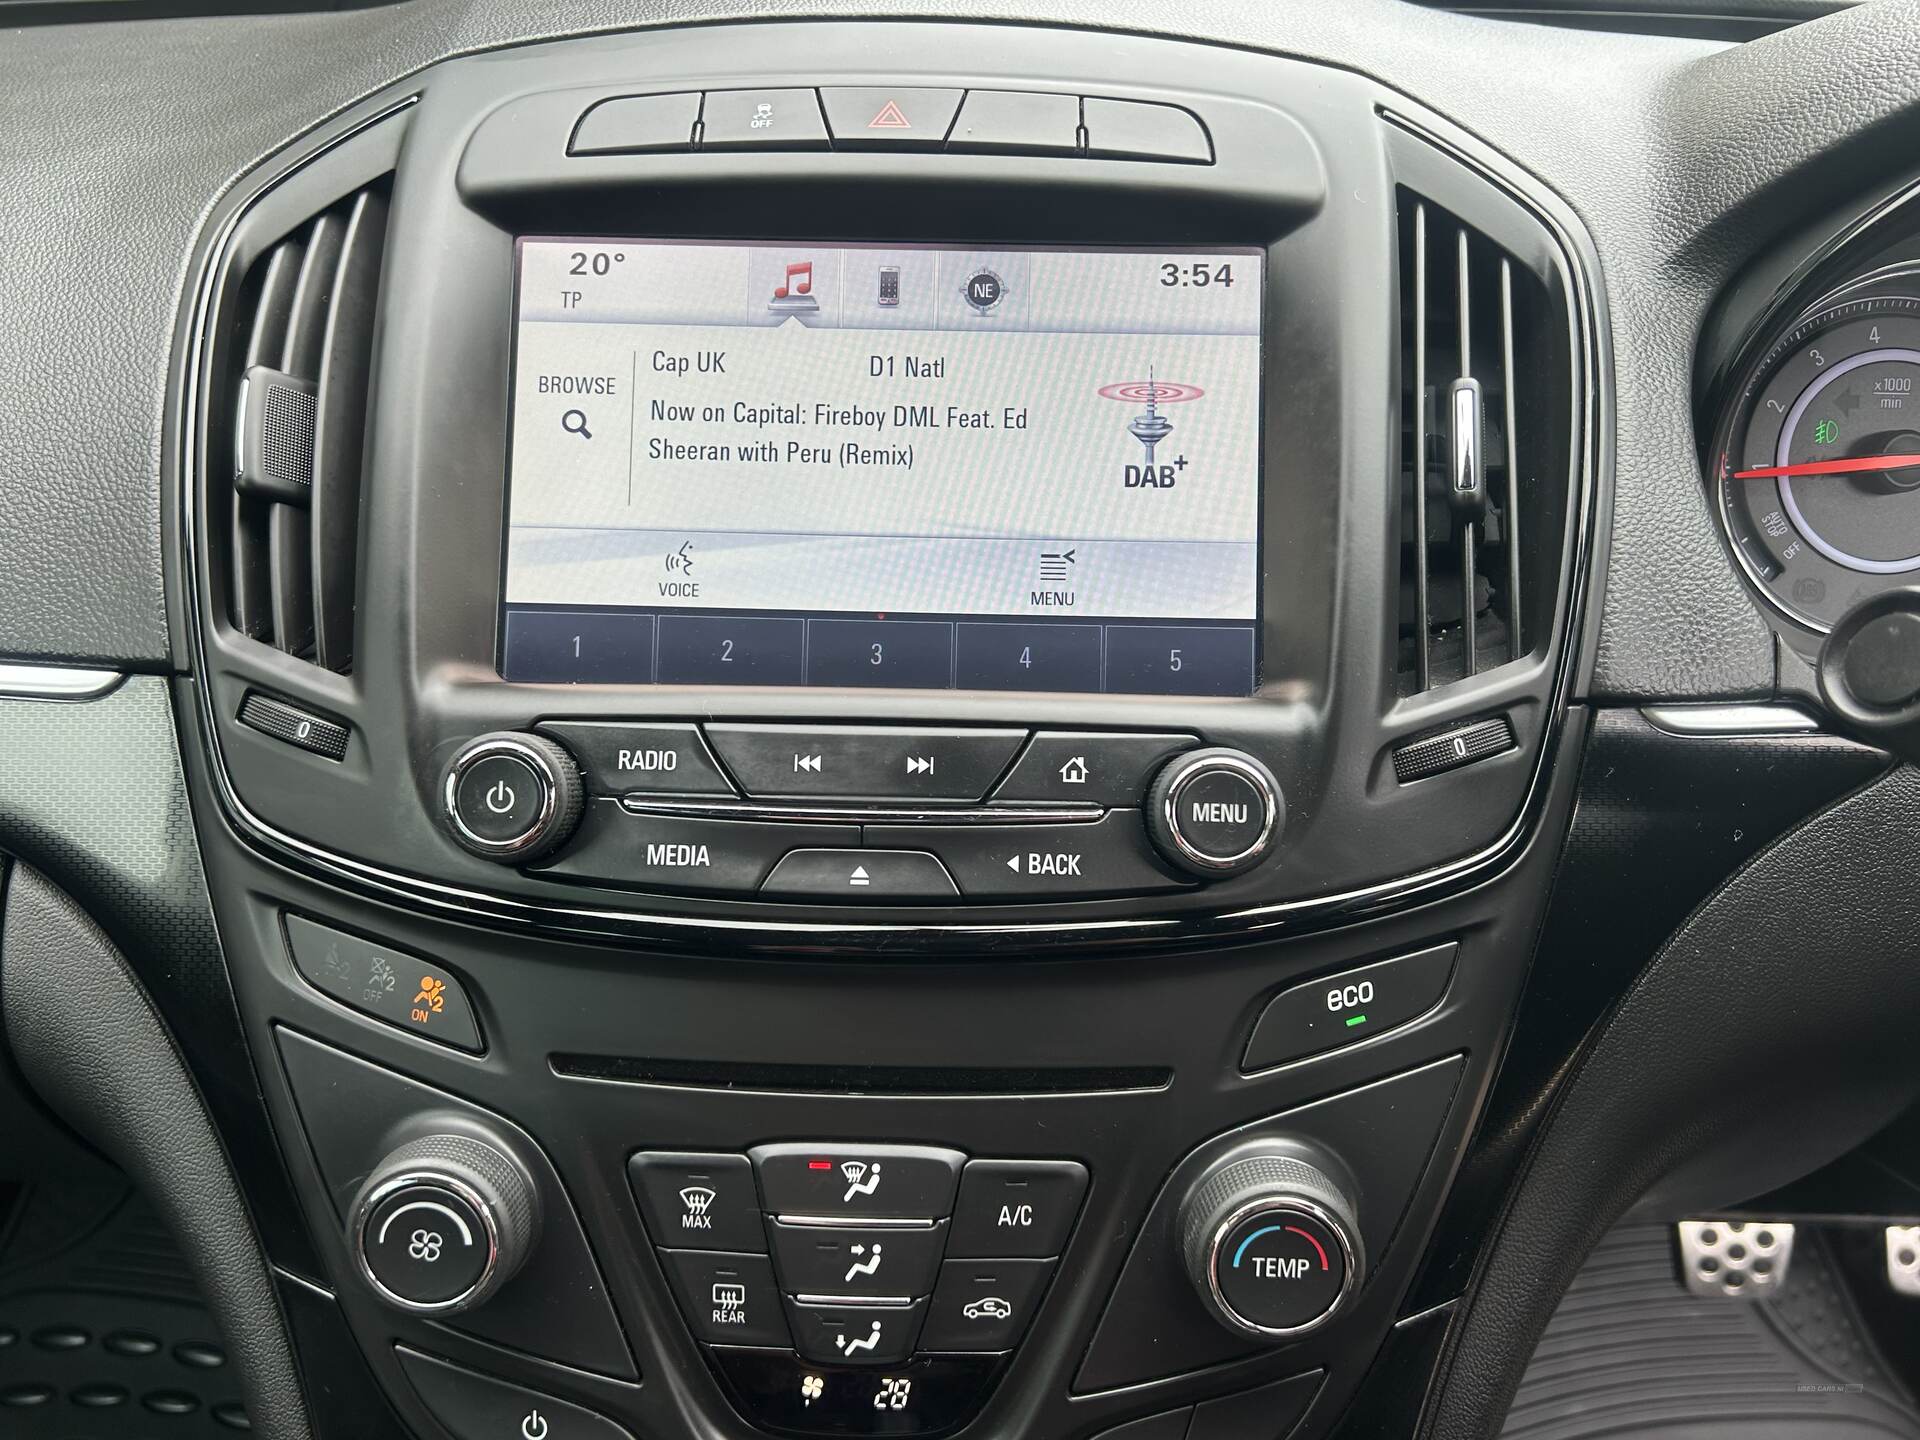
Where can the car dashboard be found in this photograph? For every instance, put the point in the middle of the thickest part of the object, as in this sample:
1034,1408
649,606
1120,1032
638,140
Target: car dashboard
927,723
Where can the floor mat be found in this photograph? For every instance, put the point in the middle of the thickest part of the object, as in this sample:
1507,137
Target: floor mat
1630,1352
103,1335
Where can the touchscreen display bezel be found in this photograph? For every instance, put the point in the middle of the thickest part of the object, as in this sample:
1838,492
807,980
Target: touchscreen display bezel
1255,626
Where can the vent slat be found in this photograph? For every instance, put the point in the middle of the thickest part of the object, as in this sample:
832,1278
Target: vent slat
290,554
1469,532
338,451
293,543
251,601
1423,623
267,338
307,327
1477,322
1516,646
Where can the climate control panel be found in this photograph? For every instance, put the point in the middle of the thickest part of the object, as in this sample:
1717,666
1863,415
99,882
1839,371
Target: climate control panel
857,1289
863,814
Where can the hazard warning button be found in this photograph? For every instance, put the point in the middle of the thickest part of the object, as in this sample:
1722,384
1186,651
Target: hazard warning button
869,118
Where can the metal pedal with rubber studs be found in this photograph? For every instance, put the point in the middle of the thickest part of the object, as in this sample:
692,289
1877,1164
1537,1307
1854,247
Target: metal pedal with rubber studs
1735,1260
1903,1258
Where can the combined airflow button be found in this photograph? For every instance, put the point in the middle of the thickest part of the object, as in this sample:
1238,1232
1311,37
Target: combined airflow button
1215,813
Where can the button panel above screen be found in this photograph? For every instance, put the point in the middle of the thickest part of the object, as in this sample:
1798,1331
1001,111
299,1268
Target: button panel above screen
900,466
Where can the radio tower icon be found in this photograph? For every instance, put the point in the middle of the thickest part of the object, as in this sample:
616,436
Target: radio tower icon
1152,428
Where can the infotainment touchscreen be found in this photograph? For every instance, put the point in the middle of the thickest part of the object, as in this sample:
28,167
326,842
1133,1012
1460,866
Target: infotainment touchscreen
908,466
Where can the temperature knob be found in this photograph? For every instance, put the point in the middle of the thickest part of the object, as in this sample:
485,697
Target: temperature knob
444,1222
512,797
1271,1243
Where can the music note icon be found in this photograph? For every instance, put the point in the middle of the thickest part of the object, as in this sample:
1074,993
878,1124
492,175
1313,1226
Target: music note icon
795,295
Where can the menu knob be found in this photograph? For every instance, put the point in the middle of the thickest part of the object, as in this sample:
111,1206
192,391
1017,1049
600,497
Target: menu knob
512,797
444,1222
1271,1243
1215,812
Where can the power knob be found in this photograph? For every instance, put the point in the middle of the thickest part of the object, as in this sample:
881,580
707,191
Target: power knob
512,797
443,1223
1271,1243
1215,812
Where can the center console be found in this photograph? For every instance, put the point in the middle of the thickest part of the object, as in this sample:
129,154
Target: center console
879,736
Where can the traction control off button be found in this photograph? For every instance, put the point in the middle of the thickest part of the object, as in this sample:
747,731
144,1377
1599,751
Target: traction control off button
698,1202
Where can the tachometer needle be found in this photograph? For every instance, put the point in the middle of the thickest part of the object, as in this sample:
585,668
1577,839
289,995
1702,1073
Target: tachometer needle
1831,467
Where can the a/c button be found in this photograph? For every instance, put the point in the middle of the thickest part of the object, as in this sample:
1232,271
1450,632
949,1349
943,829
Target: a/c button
1110,856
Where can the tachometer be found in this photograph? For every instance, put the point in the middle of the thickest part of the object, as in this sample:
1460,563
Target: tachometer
1819,470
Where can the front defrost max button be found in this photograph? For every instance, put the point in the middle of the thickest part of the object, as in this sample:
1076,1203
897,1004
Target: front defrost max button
698,1202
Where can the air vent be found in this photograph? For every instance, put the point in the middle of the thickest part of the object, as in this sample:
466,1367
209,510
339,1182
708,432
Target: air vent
1485,444
296,407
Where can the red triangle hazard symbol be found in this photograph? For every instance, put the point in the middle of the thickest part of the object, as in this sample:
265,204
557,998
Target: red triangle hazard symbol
890,118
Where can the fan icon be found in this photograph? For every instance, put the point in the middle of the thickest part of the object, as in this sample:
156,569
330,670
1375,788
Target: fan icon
811,1388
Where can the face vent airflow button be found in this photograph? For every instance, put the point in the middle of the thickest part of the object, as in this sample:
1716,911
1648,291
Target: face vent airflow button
906,1182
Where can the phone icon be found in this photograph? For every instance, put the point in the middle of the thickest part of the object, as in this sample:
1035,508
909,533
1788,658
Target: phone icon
889,285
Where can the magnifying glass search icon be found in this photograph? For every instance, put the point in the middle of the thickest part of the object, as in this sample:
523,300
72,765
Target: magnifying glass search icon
574,422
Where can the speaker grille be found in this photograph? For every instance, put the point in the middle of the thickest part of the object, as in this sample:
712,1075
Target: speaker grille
286,435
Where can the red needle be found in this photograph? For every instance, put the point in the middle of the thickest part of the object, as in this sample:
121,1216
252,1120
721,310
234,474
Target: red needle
1831,467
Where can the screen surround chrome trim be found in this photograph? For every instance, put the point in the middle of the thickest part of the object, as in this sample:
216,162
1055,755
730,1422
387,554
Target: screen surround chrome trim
864,814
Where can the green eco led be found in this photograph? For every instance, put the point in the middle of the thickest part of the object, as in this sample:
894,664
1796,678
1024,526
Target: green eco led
1353,1020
